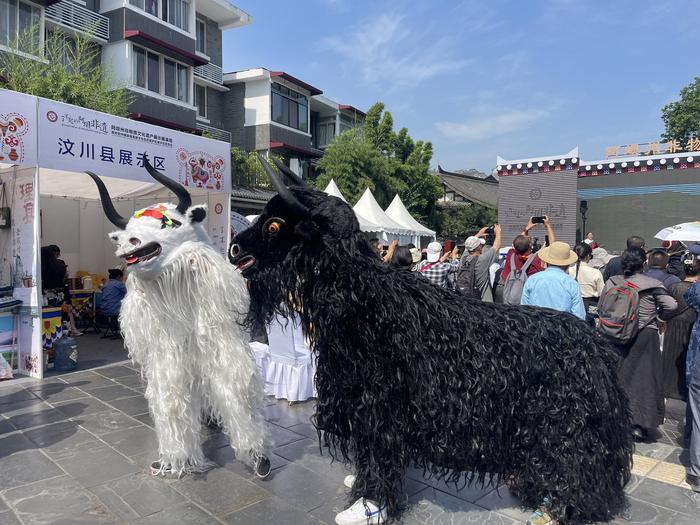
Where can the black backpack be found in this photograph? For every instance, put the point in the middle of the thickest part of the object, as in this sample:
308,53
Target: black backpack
465,282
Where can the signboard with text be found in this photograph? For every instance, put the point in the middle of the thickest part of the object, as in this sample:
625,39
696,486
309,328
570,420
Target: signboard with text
534,194
77,139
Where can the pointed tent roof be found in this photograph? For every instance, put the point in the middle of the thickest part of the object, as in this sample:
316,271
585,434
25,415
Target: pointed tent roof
401,215
365,225
332,189
368,208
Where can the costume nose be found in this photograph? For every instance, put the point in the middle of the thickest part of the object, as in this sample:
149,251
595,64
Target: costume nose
135,241
234,251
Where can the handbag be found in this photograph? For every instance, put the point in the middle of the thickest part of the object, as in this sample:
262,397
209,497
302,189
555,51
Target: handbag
5,215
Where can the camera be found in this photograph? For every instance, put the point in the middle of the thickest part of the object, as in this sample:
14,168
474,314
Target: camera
538,220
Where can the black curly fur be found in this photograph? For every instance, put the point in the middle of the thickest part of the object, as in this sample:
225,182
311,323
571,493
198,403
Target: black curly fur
410,374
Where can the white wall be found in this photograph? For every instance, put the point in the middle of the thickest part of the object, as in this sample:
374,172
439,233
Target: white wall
257,102
116,58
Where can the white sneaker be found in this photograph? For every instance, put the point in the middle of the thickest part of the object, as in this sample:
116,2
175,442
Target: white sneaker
349,480
362,512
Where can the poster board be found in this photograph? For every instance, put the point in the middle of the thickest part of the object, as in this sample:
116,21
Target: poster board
551,193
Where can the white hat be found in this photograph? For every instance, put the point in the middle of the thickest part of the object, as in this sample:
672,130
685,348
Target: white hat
434,250
472,243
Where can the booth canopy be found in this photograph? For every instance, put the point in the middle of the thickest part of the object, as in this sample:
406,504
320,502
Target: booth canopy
368,208
332,189
398,212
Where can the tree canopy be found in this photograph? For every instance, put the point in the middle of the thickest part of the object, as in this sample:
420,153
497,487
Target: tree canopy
682,117
65,68
386,162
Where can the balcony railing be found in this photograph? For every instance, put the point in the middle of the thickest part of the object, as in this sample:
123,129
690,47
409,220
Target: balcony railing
215,133
78,18
210,72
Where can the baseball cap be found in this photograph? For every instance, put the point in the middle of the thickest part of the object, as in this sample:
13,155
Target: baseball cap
472,243
434,250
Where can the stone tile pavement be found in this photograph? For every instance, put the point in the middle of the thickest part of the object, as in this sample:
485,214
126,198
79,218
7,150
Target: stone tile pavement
76,449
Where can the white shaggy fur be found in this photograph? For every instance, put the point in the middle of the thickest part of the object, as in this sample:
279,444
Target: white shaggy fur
180,323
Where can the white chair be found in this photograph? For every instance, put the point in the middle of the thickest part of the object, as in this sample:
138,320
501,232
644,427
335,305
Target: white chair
290,368
261,353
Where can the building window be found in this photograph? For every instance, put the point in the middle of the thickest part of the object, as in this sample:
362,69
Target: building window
201,36
326,132
175,12
161,75
200,100
289,107
17,19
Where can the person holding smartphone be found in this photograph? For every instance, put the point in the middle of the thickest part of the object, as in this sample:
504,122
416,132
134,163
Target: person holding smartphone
522,251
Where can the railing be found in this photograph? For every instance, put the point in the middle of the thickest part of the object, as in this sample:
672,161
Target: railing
215,133
79,18
210,72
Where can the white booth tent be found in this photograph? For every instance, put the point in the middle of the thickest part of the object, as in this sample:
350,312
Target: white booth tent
401,215
46,148
368,208
366,225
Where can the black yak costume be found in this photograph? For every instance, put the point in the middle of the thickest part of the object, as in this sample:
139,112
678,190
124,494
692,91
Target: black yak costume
411,374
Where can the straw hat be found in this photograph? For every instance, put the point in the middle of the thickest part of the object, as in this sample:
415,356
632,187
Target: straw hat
558,254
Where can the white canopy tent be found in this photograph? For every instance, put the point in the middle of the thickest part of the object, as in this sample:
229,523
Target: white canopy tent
398,212
369,210
366,225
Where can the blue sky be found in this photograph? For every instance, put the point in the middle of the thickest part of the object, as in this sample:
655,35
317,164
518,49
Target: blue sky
516,78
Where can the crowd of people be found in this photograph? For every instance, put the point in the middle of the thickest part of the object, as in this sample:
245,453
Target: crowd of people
645,301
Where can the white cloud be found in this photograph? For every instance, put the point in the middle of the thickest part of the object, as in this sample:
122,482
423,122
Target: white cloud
492,125
388,51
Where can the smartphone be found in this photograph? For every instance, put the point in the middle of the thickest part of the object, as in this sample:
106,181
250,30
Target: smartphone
538,220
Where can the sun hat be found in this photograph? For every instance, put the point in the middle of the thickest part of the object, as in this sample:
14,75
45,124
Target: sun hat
415,254
434,250
599,258
472,243
558,254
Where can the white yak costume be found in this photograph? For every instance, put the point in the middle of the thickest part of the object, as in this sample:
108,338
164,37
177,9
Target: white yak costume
177,324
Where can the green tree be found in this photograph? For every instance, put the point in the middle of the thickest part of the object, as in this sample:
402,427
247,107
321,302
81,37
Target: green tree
355,164
682,118
461,221
65,68
247,171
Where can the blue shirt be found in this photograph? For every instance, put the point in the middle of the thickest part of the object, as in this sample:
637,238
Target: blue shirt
112,294
553,288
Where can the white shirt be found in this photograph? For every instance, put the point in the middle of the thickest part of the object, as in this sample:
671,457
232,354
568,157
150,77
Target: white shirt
589,279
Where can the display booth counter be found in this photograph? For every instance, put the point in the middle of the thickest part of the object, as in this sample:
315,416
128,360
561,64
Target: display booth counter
48,147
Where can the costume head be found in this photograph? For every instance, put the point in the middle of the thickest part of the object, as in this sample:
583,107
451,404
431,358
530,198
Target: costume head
150,240
280,250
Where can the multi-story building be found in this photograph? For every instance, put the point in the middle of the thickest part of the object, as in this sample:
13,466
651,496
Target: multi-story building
275,111
168,53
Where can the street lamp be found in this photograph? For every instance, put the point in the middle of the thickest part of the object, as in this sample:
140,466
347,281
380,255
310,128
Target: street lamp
583,208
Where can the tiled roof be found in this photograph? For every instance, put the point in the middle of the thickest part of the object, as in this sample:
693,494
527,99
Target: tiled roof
252,194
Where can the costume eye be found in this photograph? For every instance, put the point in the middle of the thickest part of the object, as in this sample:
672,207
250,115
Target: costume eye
273,226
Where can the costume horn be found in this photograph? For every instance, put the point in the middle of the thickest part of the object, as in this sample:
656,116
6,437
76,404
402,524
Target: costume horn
184,199
111,213
289,173
282,190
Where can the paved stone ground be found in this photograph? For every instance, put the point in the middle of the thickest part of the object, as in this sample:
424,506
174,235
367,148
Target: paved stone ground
75,449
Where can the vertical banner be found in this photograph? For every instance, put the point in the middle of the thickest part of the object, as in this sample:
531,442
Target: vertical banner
218,214
25,249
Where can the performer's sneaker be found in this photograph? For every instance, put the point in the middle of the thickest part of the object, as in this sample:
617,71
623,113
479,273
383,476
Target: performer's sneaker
541,517
362,512
261,465
349,481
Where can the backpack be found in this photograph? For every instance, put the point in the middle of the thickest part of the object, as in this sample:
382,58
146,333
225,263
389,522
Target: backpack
515,282
465,280
618,310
